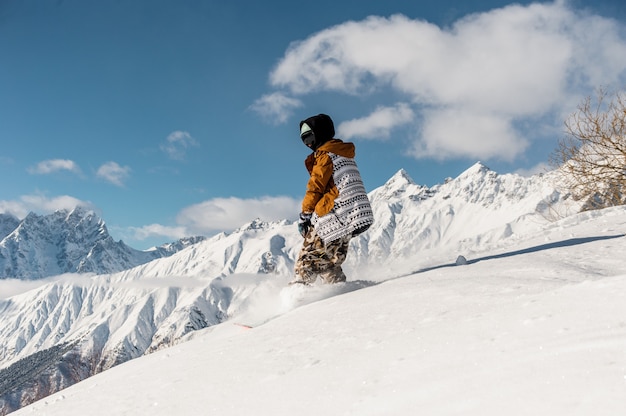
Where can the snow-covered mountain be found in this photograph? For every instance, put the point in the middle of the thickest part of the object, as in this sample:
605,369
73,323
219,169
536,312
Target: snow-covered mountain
75,241
8,223
78,326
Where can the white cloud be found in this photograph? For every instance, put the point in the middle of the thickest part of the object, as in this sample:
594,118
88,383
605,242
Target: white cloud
54,165
177,144
458,132
276,108
113,173
13,287
158,230
226,214
214,216
501,68
41,204
377,125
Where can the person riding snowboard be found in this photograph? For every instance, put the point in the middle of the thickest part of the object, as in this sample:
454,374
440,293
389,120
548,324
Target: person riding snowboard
335,207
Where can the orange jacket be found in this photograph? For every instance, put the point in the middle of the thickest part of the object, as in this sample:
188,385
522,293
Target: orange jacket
321,191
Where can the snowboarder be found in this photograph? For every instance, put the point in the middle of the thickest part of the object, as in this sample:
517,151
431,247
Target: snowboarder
335,207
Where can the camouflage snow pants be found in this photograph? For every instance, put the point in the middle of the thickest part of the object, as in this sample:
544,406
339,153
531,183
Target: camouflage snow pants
316,259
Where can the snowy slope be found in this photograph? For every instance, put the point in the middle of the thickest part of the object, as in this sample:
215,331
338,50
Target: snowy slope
105,320
537,326
476,208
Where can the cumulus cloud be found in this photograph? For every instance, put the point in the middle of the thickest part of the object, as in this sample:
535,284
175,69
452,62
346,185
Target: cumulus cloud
113,173
54,165
445,134
225,214
276,108
177,143
492,71
377,125
41,204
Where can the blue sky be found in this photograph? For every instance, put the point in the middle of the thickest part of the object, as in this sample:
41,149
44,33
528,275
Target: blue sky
175,118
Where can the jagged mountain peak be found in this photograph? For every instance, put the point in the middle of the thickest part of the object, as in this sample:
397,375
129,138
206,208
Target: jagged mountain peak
255,224
75,216
80,213
478,168
67,241
259,224
8,223
66,225
399,185
176,246
401,177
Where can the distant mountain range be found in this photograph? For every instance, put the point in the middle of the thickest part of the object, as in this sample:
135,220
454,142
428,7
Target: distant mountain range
75,241
78,325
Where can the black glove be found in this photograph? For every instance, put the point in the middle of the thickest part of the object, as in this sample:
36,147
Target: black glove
304,223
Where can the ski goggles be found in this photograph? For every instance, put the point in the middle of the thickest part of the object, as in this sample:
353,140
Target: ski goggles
308,138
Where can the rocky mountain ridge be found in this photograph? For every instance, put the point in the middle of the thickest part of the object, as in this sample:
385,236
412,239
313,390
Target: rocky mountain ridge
68,241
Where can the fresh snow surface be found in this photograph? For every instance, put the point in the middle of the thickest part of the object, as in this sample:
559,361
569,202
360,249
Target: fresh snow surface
535,327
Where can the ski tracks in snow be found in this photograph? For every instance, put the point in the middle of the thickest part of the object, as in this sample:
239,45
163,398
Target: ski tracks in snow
272,298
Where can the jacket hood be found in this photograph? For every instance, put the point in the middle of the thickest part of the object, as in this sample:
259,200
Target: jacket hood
323,128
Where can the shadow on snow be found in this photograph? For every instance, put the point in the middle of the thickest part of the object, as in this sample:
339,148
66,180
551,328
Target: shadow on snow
548,246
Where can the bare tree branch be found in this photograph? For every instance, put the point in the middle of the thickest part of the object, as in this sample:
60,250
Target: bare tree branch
591,158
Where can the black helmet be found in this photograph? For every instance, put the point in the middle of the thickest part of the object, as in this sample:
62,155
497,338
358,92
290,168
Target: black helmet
317,130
